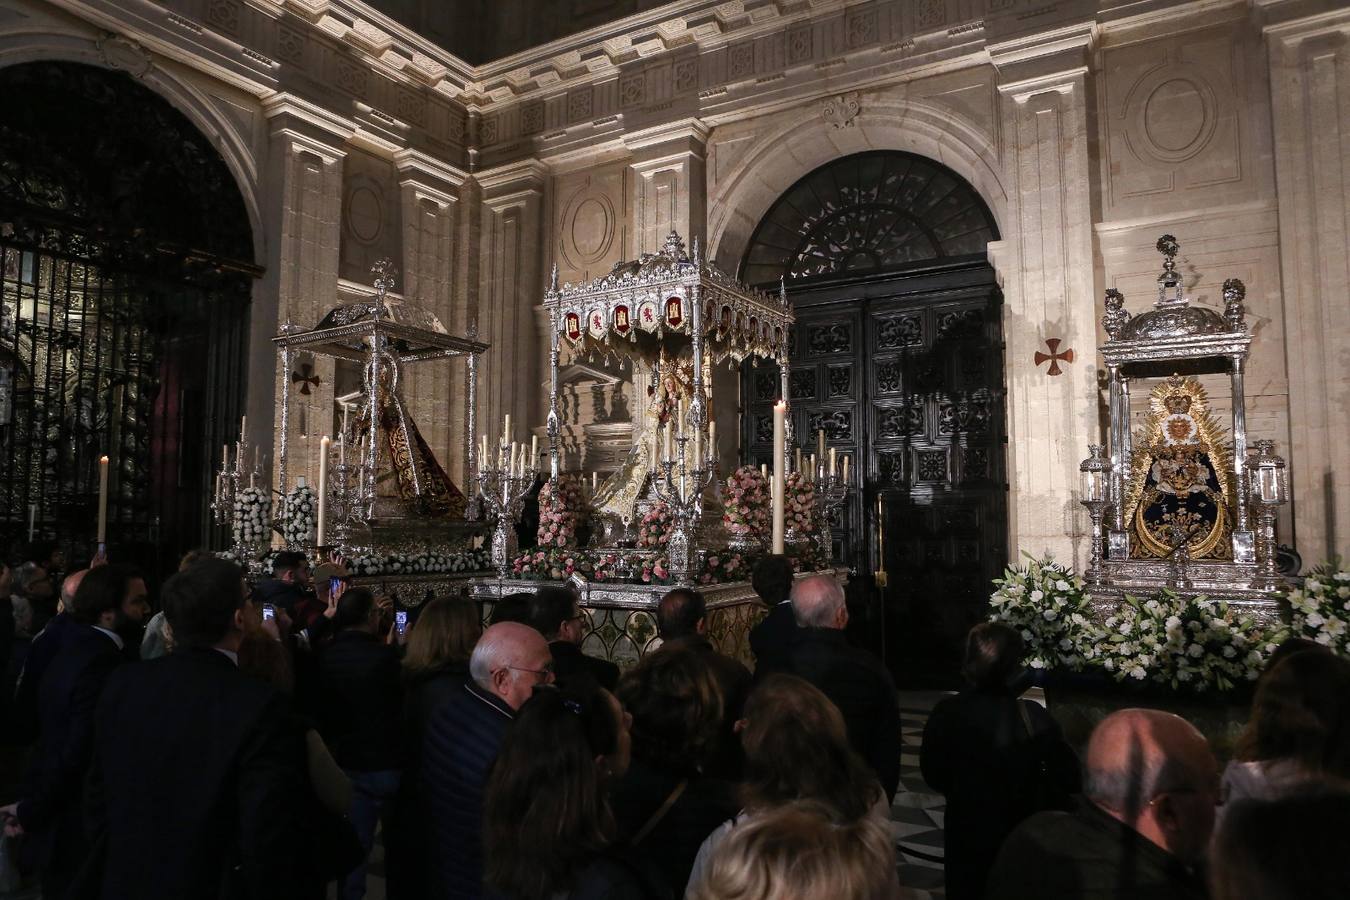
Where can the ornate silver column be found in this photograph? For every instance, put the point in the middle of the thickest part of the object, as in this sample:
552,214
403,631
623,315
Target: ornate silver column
553,426
471,511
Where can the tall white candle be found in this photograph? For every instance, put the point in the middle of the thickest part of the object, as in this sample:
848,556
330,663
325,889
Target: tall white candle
324,445
684,412
534,448
799,459
669,448
779,449
764,472
833,462
696,455
820,442
844,475
506,429
32,519
225,456
595,482
712,438
102,499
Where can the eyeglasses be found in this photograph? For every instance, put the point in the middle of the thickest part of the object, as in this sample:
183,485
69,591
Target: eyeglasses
545,672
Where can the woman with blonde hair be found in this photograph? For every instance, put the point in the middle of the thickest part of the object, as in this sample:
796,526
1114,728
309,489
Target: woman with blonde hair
796,749
801,851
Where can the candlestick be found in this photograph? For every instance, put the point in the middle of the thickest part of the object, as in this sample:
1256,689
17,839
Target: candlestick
102,499
764,472
506,429
694,454
712,439
811,471
799,459
669,451
243,428
684,411
534,448
225,456
342,446
820,442
325,444
779,441
595,482
251,478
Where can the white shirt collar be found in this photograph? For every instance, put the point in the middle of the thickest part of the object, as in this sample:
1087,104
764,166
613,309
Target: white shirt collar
114,636
229,654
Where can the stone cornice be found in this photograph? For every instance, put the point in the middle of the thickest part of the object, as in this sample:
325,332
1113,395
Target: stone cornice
1296,18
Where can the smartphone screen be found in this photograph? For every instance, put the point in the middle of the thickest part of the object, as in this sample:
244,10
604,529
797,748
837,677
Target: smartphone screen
401,621
269,612
333,585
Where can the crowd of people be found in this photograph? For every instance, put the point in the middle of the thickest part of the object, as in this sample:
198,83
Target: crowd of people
260,741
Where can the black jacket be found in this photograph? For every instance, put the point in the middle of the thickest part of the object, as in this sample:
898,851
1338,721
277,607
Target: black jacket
864,691
408,846
285,594
462,742
569,663
196,782
976,751
46,644
1087,855
52,805
772,639
670,847
359,700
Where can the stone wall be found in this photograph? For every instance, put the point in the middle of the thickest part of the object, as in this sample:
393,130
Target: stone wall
1089,128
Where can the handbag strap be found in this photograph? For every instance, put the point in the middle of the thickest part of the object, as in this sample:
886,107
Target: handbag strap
660,813
1026,718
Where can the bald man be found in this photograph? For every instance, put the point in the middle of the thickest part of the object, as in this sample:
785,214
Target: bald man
855,680
1152,786
46,644
509,661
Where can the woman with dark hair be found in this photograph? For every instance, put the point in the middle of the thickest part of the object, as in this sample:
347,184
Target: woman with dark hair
996,757
435,666
1289,848
1299,729
796,748
547,826
666,805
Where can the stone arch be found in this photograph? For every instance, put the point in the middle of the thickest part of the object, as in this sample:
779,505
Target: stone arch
800,143
118,54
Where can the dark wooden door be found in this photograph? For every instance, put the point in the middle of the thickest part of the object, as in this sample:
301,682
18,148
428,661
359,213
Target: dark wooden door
905,373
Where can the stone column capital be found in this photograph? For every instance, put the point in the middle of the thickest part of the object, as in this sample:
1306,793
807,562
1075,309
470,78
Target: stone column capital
428,176
526,177
681,138
1049,61
308,126
1287,20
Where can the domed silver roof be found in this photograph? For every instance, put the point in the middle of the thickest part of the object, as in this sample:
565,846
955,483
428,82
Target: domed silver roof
1175,321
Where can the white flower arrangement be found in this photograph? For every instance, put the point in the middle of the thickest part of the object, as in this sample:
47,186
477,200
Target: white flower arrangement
1046,603
428,563
1321,608
1195,643
301,517
253,517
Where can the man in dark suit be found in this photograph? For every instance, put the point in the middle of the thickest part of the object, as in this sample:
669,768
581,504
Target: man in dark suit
461,744
682,621
194,760
50,811
360,705
853,679
771,640
555,614
43,650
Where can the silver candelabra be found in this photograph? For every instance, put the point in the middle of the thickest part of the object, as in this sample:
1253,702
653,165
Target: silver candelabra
684,498
503,485
831,490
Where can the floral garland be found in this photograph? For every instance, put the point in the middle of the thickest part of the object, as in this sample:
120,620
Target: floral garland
551,564
559,514
300,517
655,527
1177,641
748,507
725,566
799,501
1321,608
1046,602
253,516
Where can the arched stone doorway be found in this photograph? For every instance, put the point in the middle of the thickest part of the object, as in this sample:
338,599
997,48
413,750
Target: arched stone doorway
126,265
897,355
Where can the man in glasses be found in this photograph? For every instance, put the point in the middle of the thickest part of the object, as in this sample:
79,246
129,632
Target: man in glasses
509,661
1143,830
555,613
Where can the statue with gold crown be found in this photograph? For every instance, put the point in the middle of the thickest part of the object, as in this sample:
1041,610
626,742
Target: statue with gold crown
1181,480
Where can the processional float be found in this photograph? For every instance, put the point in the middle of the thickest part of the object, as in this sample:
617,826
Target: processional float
675,316
381,494
1177,503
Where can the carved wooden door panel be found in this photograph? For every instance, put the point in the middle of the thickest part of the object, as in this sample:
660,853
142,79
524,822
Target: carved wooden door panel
906,377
